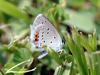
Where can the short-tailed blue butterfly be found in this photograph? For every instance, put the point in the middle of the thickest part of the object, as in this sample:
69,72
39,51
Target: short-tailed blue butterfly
44,33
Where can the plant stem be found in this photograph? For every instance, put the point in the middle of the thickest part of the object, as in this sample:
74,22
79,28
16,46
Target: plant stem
33,65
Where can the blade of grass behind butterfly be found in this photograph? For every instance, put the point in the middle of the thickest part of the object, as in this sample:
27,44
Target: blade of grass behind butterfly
94,62
95,57
84,42
93,41
74,49
80,51
89,43
71,47
77,41
72,70
90,63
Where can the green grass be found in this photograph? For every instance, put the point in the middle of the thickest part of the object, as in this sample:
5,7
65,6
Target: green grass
80,53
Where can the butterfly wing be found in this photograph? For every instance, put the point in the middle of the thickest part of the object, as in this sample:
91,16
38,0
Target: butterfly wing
44,33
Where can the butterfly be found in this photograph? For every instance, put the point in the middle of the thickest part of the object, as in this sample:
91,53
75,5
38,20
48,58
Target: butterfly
44,33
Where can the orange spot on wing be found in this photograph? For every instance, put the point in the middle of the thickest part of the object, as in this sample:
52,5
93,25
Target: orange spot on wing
36,39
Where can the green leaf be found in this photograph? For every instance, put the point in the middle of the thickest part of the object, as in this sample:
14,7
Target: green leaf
12,10
2,19
76,3
18,60
82,20
54,55
96,3
21,55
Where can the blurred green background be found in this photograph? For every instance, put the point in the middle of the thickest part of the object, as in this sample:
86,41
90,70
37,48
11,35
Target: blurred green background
16,16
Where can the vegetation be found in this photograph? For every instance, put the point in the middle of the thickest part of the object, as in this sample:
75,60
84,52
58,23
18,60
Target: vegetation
77,21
